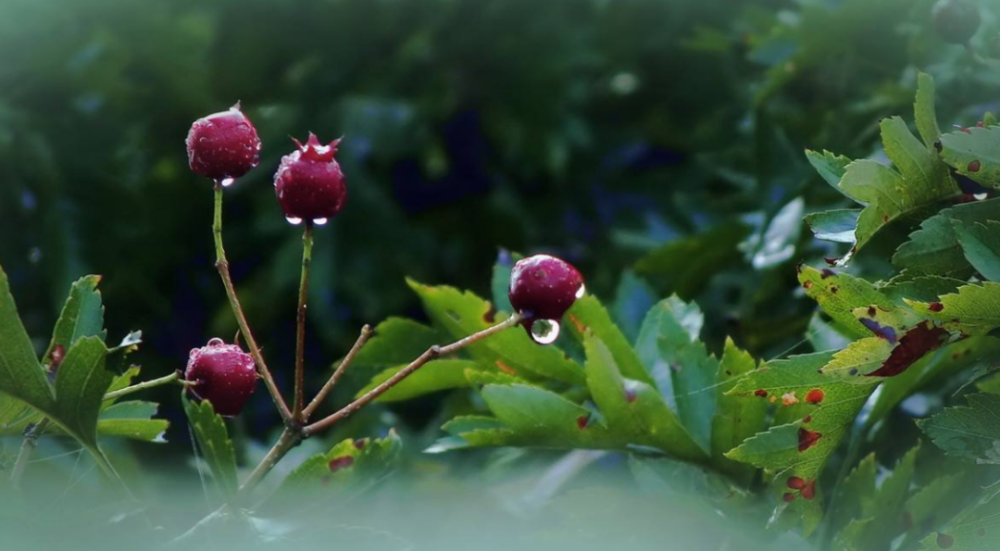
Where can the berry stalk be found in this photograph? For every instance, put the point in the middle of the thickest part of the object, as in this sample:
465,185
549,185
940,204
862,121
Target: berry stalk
300,330
223,266
366,333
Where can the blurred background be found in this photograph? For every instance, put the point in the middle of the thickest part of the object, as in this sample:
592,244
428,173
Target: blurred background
656,144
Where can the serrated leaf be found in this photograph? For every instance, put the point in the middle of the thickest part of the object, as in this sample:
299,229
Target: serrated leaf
396,341
971,432
702,256
588,316
834,225
735,418
462,314
434,376
82,316
831,167
80,386
21,376
214,445
974,153
539,418
348,463
972,310
981,245
974,529
634,411
122,381
633,298
797,451
839,294
133,420
934,249
925,112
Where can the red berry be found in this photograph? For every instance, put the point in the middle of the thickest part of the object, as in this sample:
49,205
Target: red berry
224,375
309,183
543,287
223,146
956,20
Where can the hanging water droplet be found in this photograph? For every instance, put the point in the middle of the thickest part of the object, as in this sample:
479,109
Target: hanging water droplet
581,291
980,196
216,341
544,331
320,221
226,182
293,220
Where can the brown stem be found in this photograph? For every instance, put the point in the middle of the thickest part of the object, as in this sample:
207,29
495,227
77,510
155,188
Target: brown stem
28,446
300,325
288,440
223,266
366,333
431,353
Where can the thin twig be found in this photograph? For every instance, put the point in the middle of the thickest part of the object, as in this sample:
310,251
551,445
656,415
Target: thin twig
172,378
431,353
28,446
223,266
300,323
366,333
288,440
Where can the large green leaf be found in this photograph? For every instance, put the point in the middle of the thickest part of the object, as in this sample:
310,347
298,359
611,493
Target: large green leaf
434,376
974,153
396,341
134,420
462,314
589,317
81,383
880,506
82,316
349,463
972,310
214,445
971,432
735,418
934,248
974,529
21,376
981,245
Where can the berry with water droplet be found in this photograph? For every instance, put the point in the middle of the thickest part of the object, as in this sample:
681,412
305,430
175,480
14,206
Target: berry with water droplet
956,20
223,374
309,183
543,287
223,146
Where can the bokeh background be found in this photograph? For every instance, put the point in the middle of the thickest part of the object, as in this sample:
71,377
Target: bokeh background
625,135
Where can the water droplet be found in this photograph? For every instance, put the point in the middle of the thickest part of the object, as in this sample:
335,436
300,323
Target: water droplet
216,342
581,291
980,196
545,331
293,220
320,221
35,255
226,182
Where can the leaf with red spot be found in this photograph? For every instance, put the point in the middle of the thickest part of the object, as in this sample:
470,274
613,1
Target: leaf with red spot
970,432
852,293
972,310
875,509
349,463
962,150
736,418
588,316
974,529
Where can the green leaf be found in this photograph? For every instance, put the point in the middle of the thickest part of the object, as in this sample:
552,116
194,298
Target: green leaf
735,418
21,376
972,310
860,359
797,451
776,242
924,111
82,316
81,383
587,316
213,443
396,341
434,376
537,417
702,256
834,225
133,420
830,167
974,529
122,381
839,294
981,245
969,432
934,248
633,298
461,314
349,463
878,509
974,153
632,410
500,283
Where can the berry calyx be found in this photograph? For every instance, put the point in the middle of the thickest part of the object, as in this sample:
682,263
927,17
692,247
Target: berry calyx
223,146
956,20
223,374
542,289
309,183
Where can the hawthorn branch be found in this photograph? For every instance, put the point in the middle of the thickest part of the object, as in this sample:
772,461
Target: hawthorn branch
28,446
223,266
300,325
430,354
366,333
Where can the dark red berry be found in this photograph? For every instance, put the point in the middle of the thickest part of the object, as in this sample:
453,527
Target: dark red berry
223,146
956,20
543,287
309,183
223,374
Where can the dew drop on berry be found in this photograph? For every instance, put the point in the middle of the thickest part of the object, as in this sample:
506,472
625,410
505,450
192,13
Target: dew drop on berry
581,291
226,182
293,220
320,221
980,196
544,331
